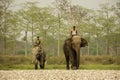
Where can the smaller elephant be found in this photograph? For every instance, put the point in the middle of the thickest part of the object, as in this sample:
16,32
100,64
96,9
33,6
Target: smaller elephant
39,56
71,50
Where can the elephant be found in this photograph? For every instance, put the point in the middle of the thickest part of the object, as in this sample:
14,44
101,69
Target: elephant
71,50
39,56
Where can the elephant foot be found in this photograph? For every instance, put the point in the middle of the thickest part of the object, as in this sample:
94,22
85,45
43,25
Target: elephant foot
42,67
77,67
36,67
67,67
74,68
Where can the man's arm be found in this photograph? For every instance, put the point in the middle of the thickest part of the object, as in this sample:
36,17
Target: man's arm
71,33
76,32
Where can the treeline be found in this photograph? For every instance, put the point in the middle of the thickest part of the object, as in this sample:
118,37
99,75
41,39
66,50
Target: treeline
19,28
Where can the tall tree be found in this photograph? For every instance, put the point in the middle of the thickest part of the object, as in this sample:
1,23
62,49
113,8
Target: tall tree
5,4
106,18
14,29
116,9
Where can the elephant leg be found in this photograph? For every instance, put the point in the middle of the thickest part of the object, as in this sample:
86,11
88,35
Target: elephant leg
42,66
78,64
78,60
36,67
66,53
72,59
75,61
36,64
67,62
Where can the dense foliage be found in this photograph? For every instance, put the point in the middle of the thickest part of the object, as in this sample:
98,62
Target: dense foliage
19,28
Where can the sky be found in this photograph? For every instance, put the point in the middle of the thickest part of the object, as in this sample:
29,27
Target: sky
91,4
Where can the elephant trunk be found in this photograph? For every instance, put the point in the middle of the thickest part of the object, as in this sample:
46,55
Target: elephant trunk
77,57
76,46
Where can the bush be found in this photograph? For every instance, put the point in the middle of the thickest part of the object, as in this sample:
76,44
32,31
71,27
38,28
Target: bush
14,59
117,60
56,60
21,52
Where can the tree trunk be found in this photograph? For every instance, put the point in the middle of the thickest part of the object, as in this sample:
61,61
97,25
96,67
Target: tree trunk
2,44
88,52
14,46
59,36
4,33
32,31
116,44
107,46
97,50
107,40
4,39
14,43
116,51
26,43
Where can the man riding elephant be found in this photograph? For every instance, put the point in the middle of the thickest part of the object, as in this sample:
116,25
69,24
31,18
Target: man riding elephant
39,55
71,49
73,31
37,42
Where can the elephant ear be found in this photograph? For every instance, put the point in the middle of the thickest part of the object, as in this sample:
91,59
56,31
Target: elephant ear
83,42
68,42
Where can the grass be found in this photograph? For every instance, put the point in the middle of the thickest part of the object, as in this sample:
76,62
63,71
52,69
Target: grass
101,67
88,67
61,67
87,62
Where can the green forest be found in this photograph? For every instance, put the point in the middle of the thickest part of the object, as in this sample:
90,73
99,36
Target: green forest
20,27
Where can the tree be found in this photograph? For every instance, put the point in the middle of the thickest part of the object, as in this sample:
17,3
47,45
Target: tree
106,19
14,29
70,14
28,22
5,5
116,9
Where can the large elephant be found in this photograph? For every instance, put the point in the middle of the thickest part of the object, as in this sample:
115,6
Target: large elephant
71,50
39,56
